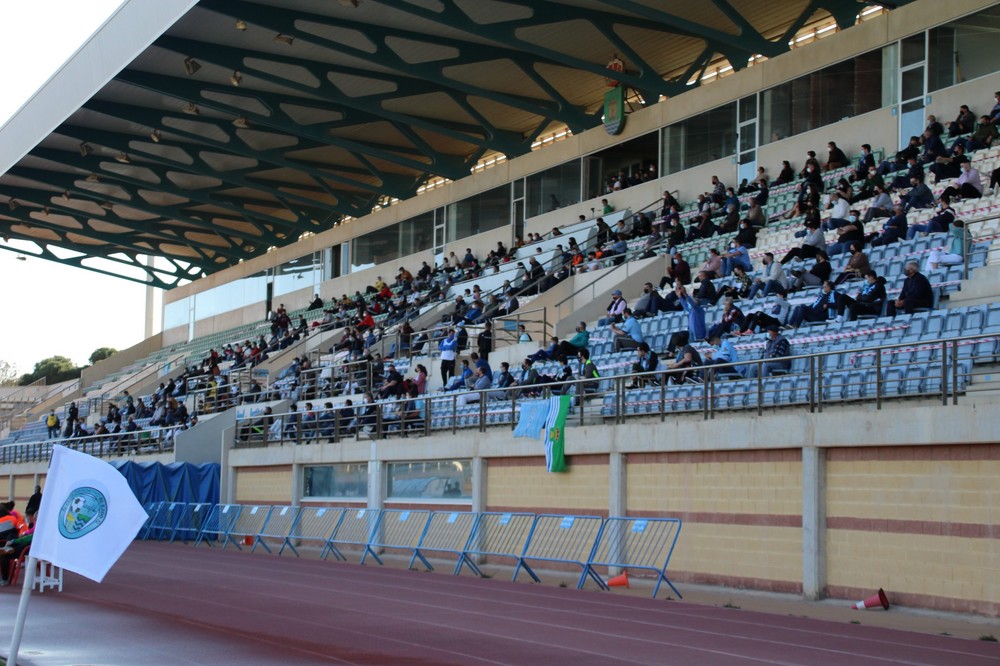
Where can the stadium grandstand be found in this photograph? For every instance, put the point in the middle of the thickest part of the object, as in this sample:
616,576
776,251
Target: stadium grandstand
729,263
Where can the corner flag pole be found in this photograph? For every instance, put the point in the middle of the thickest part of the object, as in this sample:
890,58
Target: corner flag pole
22,610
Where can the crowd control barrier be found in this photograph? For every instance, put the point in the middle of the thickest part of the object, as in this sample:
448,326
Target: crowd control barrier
589,542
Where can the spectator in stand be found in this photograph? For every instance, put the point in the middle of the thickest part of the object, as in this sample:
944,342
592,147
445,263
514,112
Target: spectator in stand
695,312
677,270
865,165
813,243
984,136
572,347
647,361
851,233
949,166
480,382
712,266
774,314
706,292
687,359
919,196
449,350
548,353
808,199
913,170
933,126
856,267
746,234
527,377
836,159
995,113
958,239
755,214
731,320
786,175
893,230
969,184
522,334
881,206
52,424
964,123
742,284
933,146
775,353
870,300
915,294
615,309
825,307
902,158
815,276
839,210
774,277
737,256
940,223
629,334
652,303
718,193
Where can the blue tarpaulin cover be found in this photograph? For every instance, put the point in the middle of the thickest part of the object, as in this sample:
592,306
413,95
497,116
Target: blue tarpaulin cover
171,482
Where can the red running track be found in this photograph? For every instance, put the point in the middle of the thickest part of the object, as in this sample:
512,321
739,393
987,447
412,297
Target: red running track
174,604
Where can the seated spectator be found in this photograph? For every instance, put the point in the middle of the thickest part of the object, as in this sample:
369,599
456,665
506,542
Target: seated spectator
647,361
786,175
881,206
839,210
527,377
853,233
589,372
615,309
741,287
522,334
687,359
628,334
964,123
462,379
870,300
737,256
958,240
815,276
969,184
813,243
919,196
731,320
940,223
836,158
893,230
826,306
712,266
912,149
984,136
949,166
706,292
548,353
677,270
856,267
746,234
915,294
865,164
775,353
773,314
481,383
722,350
933,146
774,277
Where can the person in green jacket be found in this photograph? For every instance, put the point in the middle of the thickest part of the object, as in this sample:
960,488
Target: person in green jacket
570,348
958,239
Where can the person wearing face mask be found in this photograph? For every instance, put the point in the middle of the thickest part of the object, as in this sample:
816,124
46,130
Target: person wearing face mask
941,221
839,210
856,267
825,307
572,347
737,256
870,299
774,277
815,276
969,184
677,270
870,183
916,292
881,205
747,235
851,233
866,163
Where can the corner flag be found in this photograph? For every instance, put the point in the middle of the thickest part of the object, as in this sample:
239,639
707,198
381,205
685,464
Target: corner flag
88,517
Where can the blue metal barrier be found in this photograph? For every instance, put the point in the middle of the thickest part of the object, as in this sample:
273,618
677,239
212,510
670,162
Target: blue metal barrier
355,528
556,538
189,522
497,534
634,543
446,532
315,524
397,528
154,521
278,526
248,525
166,519
220,520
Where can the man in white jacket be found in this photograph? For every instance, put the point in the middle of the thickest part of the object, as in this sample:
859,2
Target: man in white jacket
774,276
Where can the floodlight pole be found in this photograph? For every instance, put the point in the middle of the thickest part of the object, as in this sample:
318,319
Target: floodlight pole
22,610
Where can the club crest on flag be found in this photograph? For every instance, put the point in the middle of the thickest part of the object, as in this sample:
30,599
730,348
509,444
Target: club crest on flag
83,512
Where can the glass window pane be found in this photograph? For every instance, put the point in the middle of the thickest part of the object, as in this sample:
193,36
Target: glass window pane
700,139
434,479
748,108
299,273
176,314
375,247
553,188
416,234
913,50
342,481
913,83
964,49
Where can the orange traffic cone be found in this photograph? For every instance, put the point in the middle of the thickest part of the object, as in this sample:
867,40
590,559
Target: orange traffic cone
878,599
621,580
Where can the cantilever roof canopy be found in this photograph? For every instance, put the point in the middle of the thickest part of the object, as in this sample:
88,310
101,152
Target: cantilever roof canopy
246,124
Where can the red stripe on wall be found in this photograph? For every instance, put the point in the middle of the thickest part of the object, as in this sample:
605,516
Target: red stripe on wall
935,452
934,528
718,518
754,456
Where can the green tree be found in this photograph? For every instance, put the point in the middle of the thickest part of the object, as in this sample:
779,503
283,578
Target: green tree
102,353
55,369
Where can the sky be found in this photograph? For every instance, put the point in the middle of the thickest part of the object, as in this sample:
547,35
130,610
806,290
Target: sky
54,309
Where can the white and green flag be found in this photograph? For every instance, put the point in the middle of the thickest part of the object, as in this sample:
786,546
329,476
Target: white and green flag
555,433
88,516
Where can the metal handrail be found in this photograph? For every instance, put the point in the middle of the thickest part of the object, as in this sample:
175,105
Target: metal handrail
101,446
949,389
518,318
